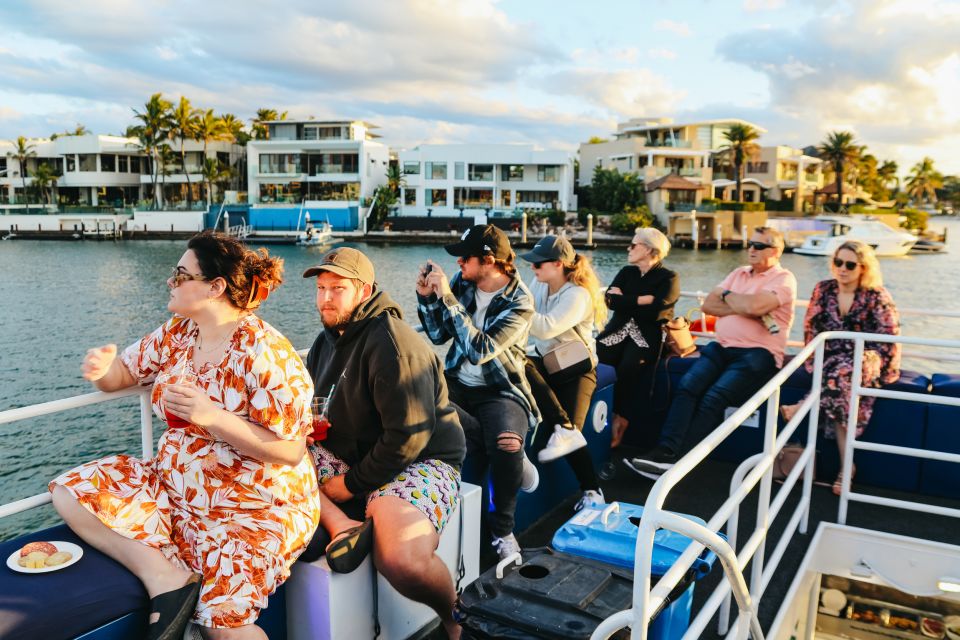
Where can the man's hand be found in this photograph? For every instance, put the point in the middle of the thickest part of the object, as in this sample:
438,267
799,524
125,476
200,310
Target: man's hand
97,362
423,288
437,280
336,489
190,404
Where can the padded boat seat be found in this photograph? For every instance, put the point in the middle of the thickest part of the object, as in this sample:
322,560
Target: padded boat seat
943,434
94,599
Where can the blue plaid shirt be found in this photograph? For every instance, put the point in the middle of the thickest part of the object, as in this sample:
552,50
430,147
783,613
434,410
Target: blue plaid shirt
499,347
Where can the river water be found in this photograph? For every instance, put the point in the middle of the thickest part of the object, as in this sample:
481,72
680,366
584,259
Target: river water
60,298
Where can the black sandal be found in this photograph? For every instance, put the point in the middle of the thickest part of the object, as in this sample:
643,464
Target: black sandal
175,608
350,547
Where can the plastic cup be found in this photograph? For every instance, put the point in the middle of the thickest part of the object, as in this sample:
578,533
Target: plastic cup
183,375
320,422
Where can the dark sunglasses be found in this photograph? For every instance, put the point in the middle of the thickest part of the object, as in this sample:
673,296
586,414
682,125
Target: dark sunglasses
537,265
759,246
849,264
179,276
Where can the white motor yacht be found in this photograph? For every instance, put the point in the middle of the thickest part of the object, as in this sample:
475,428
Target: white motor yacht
885,240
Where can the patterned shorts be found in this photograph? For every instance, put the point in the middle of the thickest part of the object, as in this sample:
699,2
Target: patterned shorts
432,486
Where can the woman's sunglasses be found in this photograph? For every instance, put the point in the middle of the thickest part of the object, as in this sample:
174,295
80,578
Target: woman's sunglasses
849,264
179,276
759,246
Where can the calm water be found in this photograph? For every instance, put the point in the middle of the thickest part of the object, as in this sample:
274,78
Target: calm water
61,298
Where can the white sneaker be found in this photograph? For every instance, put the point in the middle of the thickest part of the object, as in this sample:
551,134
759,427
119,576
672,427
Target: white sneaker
506,546
561,442
590,498
530,479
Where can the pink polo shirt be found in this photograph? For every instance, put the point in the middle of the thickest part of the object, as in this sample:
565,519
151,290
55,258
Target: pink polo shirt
742,331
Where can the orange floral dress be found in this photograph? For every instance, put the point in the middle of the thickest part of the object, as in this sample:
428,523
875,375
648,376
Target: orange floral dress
208,508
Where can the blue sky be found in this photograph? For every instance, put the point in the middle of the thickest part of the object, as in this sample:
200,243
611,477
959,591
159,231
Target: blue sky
550,73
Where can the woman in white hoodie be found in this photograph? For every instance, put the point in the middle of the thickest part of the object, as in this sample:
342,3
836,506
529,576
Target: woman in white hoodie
568,305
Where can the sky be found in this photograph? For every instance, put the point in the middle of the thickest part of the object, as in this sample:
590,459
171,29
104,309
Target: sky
549,73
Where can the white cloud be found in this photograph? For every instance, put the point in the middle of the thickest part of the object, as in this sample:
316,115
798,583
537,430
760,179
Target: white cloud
679,28
627,92
665,54
762,5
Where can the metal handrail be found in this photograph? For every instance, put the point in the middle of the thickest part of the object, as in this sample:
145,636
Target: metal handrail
759,470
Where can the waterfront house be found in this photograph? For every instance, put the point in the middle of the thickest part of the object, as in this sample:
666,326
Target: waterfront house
326,169
654,148
92,171
776,173
173,178
450,179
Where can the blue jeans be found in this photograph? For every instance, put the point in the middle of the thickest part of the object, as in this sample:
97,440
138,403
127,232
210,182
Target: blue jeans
721,377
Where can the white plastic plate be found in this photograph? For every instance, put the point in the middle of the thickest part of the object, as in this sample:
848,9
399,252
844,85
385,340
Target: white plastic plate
75,550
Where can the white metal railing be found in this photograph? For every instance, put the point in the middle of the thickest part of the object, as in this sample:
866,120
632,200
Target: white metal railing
759,470
702,331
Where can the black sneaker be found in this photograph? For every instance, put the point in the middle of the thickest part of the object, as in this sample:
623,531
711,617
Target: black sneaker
652,464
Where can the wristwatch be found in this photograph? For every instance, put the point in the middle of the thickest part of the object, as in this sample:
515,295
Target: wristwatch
723,295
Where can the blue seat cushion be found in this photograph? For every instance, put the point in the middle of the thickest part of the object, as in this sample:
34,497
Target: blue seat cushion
606,375
67,603
943,434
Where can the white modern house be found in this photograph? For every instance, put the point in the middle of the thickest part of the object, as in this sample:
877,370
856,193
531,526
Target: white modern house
446,178
92,170
311,160
174,178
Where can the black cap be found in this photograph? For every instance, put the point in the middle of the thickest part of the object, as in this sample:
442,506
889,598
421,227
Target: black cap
551,248
482,240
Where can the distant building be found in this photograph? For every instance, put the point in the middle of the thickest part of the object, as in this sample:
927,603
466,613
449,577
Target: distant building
448,178
174,178
657,148
92,170
777,173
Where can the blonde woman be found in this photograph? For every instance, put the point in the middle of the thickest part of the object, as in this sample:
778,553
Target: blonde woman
567,306
642,297
852,300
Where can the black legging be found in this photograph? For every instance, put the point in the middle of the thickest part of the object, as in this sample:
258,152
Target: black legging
564,403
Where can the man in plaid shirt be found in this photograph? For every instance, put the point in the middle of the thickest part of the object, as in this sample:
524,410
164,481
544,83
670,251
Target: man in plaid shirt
486,310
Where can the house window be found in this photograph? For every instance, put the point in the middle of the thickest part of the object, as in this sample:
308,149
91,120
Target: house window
278,163
435,170
410,197
411,168
108,163
88,161
3,164
458,171
339,191
548,173
481,172
757,167
538,197
465,197
329,133
321,163
505,198
136,165
511,173
123,164
309,133
435,197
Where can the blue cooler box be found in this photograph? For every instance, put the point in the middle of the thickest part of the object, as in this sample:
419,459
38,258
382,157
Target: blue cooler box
610,535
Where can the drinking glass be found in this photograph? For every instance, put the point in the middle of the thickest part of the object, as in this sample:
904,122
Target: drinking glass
321,423
180,374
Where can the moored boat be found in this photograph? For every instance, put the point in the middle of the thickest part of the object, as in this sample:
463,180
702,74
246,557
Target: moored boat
886,241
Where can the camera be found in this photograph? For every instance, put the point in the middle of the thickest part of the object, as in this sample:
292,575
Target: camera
427,269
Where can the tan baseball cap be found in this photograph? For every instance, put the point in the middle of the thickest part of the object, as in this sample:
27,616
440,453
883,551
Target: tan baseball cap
344,261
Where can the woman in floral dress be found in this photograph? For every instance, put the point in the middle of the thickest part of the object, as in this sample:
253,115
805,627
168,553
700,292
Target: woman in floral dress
212,523
853,300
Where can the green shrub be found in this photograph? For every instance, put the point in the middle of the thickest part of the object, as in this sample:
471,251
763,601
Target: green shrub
630,219
556,217
730,205
916,220
711,202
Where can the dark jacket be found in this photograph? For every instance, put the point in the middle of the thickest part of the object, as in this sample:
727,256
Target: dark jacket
389,405
660,282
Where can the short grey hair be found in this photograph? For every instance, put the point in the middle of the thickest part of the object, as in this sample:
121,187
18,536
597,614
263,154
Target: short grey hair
653,239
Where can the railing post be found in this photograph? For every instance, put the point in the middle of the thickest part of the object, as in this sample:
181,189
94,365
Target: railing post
719,236
813,422
590,229
694,231
743,234
763,501
146,425
847,463
523,226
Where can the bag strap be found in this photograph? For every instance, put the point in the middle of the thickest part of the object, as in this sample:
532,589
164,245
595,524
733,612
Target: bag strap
461,564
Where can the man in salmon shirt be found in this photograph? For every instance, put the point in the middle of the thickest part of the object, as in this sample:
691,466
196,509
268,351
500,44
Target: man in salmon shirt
754,305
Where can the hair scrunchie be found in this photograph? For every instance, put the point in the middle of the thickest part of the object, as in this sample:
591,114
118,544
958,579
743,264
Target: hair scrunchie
259,292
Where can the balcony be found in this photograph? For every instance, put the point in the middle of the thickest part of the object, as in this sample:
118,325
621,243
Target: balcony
675,144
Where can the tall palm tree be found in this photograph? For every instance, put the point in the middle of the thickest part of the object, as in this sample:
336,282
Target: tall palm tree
840,150
166,157
235,127
44,178
155,122
887,172
21,152
183,125
924,180
206,128
742,144
260,130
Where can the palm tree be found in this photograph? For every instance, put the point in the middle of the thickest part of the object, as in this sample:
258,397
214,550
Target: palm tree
167,157
155,122
215,171
924,180
742,145
183,125
887,172
260,130
234,126
839,149
21,152
44,178
209,127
